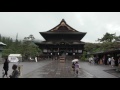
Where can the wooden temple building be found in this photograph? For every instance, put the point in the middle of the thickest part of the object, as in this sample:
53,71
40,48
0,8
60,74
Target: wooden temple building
62,40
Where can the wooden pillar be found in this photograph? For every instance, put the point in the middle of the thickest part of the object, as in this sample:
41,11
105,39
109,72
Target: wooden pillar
106,58
116,59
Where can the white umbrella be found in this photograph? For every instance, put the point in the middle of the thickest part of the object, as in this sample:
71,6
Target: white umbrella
75,60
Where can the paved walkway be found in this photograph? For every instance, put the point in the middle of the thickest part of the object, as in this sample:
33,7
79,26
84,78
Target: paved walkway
27,66
55,69
100,71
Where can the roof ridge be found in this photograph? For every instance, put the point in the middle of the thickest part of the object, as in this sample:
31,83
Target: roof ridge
62,24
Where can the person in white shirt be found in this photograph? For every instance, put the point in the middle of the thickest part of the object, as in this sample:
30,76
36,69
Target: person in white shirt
36,59
89,59
109,60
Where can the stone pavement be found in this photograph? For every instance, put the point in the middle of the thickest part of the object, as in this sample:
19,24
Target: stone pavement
55,69
100,71
27,66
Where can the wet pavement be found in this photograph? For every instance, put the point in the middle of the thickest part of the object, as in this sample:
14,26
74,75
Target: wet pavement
27,67
100,71
113,72
55,69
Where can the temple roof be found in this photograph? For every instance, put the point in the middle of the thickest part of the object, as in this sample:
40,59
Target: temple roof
2,44
60,42
62,27
63,31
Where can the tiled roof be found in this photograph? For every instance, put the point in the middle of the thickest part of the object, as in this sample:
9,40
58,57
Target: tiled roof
1,43
62,27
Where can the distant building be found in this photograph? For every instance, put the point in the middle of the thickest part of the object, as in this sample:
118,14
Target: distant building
1,48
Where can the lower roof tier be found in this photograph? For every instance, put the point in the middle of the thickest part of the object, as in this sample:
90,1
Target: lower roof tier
61,42
62,45
61,35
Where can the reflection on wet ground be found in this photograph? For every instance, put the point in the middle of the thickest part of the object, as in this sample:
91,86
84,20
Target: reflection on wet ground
55,69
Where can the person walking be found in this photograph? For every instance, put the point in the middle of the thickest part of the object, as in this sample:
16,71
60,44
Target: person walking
92,60
109,61
119,64
77,67
112,62
35,59
73,66
6,67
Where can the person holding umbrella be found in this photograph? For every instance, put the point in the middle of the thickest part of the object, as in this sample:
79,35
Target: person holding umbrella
73,63
77,67
75,60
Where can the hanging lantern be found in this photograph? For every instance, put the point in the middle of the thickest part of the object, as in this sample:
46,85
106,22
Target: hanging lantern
66,53
73,53
51,53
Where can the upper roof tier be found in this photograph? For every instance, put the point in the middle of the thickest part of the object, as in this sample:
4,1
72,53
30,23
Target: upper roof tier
62,31
62,27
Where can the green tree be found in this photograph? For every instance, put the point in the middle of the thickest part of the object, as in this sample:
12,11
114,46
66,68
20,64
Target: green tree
25,47
117,38
6,52
107,38
29,49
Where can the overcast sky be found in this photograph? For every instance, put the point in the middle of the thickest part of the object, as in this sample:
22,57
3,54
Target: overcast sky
96,24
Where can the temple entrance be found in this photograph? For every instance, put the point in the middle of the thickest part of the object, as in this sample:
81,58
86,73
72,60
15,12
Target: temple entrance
62,53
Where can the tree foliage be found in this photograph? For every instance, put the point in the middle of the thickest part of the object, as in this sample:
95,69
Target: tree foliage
107,42
25,47
107,38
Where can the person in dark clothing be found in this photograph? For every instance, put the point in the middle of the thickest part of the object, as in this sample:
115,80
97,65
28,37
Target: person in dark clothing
73,66
15,73
6,67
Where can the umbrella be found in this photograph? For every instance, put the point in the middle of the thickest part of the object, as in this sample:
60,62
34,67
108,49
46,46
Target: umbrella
75,60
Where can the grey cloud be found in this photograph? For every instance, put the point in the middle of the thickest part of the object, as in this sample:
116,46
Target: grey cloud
26,23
